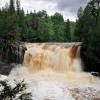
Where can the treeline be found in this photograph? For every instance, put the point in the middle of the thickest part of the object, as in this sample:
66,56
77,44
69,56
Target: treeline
17,26
88,31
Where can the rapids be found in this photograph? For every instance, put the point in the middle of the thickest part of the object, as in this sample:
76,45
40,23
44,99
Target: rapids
61,59
50,68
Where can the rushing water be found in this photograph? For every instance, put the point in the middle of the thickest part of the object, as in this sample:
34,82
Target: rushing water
51,67
39,57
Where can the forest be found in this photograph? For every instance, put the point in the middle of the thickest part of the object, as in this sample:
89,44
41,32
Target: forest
33,26
17,27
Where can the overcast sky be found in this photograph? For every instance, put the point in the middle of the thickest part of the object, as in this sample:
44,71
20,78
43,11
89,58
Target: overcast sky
68,8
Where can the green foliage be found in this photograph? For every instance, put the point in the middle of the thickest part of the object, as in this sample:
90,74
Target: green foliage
12,7
88,31
68,31
32,27
58,25
9,92
72,29
9,23
15,26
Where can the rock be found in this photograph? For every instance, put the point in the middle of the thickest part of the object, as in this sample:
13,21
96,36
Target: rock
5,69
12,53
96,74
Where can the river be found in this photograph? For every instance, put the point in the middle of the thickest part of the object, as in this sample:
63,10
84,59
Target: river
55,72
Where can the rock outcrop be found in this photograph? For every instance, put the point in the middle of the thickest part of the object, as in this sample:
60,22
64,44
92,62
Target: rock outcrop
11,52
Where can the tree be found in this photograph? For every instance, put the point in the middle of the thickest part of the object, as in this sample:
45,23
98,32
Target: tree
11,7
68,35
18,6
88,32
17,26
79,25
9,27
80,13
95,5
59,26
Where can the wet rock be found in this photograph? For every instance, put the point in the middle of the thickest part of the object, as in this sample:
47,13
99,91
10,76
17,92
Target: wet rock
5,69
96,74
12,52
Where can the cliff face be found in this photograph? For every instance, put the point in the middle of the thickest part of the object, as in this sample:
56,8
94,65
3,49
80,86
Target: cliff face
11,52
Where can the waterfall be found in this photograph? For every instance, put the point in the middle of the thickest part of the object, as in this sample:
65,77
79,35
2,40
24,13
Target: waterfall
56,57
51,70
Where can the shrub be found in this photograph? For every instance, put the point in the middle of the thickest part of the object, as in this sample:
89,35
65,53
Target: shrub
8,92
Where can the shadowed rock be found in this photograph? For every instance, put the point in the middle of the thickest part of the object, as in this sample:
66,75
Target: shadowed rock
12,53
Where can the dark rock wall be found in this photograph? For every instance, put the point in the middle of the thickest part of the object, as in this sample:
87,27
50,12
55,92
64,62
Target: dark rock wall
11,52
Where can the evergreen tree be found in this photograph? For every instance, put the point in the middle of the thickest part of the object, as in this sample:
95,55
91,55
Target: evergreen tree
12,7
34,27
59,26
68,31
88,32
95,9
18,6
80,13
79,25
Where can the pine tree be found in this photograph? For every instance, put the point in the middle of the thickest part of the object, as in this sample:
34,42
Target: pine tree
12,6
88,31
18,6
59,26
68,36
79,25
80,13
95,9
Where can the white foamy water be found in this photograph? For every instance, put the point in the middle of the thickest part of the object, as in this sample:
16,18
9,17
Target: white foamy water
52,91
51,71
51,85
